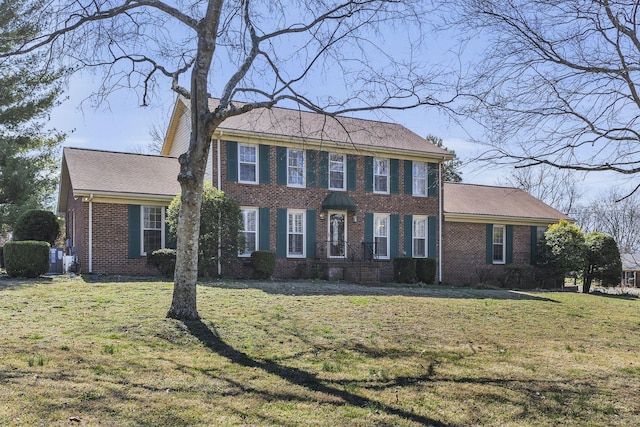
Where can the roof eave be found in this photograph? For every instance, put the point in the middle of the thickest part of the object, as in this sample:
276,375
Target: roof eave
500,219
221,132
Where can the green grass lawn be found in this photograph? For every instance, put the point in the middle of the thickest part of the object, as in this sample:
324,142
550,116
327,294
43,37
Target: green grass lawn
315,353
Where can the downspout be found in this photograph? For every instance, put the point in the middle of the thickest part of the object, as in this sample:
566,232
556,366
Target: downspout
91,233
440,221
220,189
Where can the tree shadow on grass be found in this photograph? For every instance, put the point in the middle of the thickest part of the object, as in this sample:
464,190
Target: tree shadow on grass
297,376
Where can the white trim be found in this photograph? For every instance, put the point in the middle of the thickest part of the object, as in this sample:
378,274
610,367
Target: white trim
142,227
344,171
388,162
440,221
425,219
413,179
344,242
244,209
504,244
256,164
387,218
304,168
304,232
91,233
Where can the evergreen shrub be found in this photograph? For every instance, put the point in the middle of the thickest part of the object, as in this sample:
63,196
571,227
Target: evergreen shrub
264,264
164,260
426,270
404,270
26,258
36,224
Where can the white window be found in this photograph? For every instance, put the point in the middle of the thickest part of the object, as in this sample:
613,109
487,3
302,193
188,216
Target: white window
419,179
248,163
152,229
337,168
499,244
381,236
295,234
381,176
249,231
419,237
295,168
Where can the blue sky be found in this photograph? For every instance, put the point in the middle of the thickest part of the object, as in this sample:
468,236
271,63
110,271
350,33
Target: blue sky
123,125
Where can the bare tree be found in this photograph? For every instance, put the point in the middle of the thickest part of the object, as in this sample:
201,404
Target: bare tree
557,188
263,53
558,82
615,215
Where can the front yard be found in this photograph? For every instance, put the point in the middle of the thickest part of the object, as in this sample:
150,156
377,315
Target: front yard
315,353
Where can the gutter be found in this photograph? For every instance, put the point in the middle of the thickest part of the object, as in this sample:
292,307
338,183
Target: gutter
440,221
91,233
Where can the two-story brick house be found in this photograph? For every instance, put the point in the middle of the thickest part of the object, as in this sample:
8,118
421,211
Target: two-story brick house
316,190
314,187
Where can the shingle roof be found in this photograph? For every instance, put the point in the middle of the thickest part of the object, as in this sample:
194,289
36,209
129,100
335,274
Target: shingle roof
326,130
630,262
97,171
490,201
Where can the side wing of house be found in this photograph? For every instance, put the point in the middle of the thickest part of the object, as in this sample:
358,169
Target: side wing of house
115,205
491,234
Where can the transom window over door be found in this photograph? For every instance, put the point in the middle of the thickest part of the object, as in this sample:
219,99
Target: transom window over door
419,179
337,168
295,234
152,229
248,163
420,237
498,244
295,168
381,236
381,175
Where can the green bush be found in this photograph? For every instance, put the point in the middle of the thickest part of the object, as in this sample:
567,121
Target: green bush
164,260
26,258
264,264
404,270
426,270
38,225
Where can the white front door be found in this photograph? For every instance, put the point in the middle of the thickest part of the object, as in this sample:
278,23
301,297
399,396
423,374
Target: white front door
337,234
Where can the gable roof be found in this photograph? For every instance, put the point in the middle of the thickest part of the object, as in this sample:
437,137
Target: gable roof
483,203
307,127
115,175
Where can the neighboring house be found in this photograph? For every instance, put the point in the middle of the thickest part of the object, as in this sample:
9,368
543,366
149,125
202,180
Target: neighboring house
630,269
316,190
114,205
487,229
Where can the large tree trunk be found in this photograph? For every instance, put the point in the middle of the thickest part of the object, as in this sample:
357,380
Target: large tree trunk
183,305
192,168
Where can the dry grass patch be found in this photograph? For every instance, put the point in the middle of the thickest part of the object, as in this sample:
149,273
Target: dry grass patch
292,354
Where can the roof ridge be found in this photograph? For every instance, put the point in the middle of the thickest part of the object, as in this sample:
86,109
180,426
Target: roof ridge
486,185
119,152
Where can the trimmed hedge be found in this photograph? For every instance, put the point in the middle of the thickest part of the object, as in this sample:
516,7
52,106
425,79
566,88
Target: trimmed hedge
404,270
26,258
164,260
35,224
264,264
426,270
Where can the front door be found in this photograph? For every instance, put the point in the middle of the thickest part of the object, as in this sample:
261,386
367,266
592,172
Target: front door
337,234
